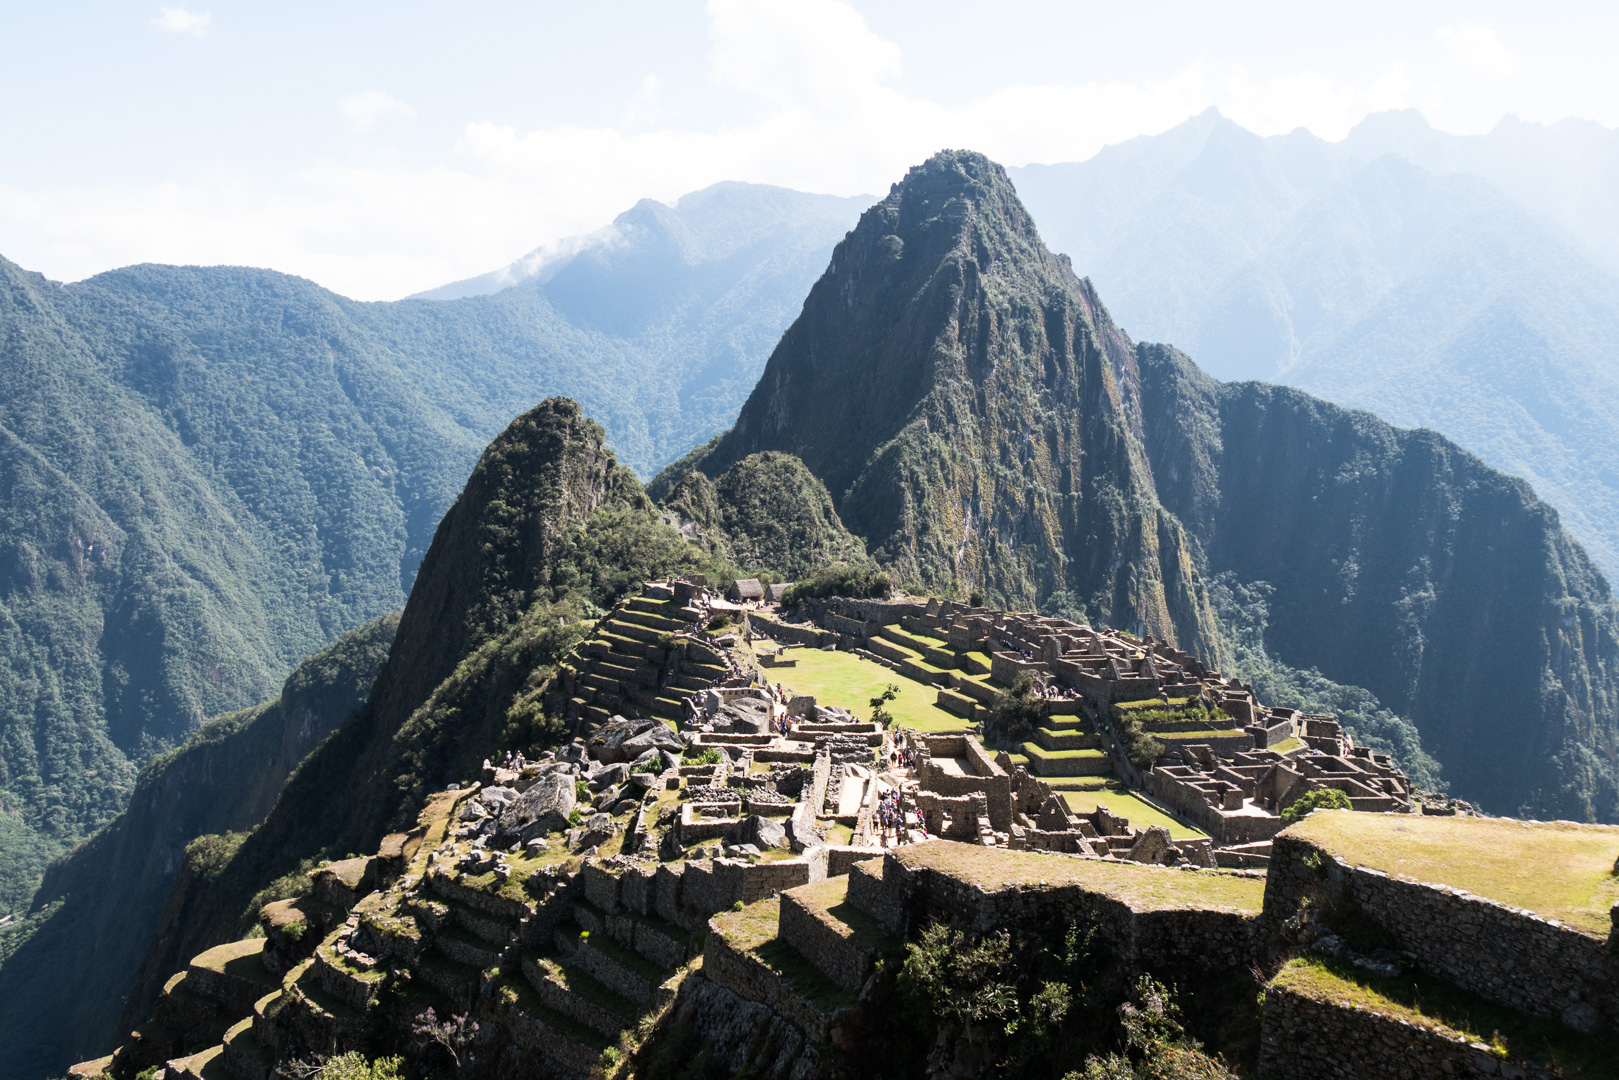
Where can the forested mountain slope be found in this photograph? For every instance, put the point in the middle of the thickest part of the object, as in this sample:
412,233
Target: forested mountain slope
978,418
549,531
211,472
67,967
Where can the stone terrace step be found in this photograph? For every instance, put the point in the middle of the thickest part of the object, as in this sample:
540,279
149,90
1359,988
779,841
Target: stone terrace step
636,631
661,943
578,996
821,925
1067,740
1043,762
232,974
455,980
207,1065
959,704
244,1057
568,1048
621,970
660,623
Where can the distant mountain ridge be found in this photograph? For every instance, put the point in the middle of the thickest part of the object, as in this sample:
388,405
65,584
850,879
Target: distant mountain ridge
1459,283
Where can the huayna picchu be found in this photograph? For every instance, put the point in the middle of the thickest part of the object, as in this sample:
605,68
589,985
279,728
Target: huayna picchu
904,738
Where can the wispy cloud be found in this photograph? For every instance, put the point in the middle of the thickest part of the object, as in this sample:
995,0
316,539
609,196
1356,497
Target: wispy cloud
366,110
177,20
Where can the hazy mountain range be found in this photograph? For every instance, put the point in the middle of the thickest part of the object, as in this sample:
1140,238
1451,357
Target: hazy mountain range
1460,283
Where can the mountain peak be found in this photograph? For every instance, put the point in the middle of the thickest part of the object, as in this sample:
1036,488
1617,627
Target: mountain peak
964,398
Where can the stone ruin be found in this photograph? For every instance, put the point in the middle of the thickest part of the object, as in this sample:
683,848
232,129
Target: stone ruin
1229,769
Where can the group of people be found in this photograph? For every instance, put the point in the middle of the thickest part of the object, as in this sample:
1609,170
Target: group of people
892,815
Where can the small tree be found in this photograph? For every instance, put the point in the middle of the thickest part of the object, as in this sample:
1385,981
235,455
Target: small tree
879,715
1016,711
1319,799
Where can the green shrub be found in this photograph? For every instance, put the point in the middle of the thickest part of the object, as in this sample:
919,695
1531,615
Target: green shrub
709,756
581,790
651,765
294,931
852,582
354,1066
1016,711
1319,799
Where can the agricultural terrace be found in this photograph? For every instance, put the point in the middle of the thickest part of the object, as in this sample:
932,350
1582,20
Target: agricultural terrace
1142,887
1128,804
850,682
1557,869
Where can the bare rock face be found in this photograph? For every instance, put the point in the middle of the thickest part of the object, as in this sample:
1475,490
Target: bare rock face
743,716
607,745
656,737
542,808
760,831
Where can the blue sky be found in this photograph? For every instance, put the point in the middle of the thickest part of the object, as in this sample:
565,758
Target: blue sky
381,149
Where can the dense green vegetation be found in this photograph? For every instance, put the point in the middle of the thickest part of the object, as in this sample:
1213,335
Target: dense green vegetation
1244,613
210,472
856,582
1014,1004
766,512
1319,799
1015,712
66,966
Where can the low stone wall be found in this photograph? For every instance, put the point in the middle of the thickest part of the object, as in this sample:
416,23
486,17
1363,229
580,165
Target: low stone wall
789,633
747,977
840,859
821,945
844,626
1512,957
901,899
1305,1039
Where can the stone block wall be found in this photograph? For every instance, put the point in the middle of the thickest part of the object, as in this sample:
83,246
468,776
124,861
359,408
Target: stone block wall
1512,957
789,633
820,944
840,859
1305,1039
747,977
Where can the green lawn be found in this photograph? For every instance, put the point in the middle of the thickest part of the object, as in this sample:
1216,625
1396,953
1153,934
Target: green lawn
1559,870
1143,888
1125,803
850,682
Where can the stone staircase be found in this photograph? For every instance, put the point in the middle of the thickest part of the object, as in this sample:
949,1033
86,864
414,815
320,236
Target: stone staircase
632,665
806,953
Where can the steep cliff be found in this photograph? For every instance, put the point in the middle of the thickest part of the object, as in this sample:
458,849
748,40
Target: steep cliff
969,404
62,990
1401,563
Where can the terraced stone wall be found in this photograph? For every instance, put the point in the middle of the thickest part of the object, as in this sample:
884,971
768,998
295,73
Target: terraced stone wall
902,899
1305,1039
1509,956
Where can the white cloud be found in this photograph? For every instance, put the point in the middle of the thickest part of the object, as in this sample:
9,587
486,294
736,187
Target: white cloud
366,110
821,108
1479,48
177,20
